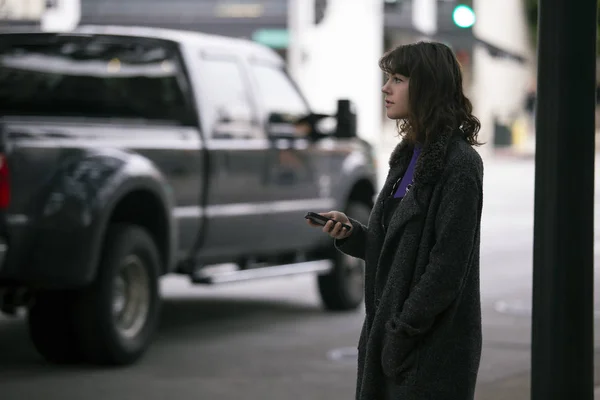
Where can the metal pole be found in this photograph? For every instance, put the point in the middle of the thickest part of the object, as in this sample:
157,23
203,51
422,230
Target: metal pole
562,326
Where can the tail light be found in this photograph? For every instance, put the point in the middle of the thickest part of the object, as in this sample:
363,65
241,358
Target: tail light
4,183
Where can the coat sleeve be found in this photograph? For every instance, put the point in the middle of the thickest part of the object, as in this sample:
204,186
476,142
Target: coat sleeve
456,228
355,244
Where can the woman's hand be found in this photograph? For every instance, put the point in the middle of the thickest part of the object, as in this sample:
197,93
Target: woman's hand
335,230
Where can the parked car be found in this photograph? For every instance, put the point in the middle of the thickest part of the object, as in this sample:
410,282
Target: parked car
131,153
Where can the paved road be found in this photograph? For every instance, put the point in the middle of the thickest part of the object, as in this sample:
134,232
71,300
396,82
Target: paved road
271,340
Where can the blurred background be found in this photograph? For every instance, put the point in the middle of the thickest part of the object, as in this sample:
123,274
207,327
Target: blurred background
269,339
494,41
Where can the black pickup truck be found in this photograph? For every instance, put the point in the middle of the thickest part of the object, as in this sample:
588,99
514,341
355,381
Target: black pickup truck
131,153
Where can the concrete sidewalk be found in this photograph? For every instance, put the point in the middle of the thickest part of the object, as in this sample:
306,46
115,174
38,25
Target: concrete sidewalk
518,387
515,388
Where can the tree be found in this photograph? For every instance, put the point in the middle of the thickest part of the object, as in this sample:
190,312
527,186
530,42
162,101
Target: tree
531,7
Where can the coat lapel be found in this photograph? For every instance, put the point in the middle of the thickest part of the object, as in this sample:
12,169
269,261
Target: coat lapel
428,170
375,239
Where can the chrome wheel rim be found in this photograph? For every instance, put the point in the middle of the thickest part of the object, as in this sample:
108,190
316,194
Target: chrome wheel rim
353,269
131,297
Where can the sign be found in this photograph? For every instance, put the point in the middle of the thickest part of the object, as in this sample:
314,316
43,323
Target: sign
22,10
244,10
274,38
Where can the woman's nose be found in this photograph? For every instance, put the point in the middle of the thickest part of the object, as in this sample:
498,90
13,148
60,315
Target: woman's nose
385,89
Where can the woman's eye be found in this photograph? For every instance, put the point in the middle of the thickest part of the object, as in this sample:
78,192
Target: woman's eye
397,80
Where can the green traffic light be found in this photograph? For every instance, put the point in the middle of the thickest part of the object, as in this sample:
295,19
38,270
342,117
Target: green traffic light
463,16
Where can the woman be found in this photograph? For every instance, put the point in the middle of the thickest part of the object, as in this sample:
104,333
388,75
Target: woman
421,337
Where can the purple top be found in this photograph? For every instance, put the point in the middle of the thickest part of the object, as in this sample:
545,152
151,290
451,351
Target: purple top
408,176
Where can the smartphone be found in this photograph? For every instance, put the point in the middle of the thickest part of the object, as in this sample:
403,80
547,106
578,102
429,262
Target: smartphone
321,220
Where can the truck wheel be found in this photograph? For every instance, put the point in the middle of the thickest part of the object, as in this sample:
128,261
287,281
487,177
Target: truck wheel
52,328
118,313
343,288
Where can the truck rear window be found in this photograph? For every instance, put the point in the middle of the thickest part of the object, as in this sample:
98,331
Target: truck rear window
91,76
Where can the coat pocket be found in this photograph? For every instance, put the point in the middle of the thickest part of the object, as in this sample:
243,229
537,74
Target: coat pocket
400,357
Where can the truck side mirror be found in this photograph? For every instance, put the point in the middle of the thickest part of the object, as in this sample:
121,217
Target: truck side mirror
281,126
312,125
346,119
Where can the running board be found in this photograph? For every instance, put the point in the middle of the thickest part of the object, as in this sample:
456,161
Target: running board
320,266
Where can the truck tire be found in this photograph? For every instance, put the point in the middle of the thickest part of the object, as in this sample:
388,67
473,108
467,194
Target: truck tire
52,328
343,288
117,315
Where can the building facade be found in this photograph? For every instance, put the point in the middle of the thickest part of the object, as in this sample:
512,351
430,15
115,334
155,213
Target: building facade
263,20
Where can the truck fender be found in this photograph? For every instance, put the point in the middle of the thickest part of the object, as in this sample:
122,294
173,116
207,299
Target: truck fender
80,203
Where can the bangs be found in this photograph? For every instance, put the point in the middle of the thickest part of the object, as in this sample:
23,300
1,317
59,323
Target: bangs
400,60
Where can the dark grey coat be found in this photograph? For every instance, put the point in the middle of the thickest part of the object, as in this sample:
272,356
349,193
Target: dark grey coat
421,338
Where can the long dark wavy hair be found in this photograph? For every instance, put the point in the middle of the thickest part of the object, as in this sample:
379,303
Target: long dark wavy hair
436,99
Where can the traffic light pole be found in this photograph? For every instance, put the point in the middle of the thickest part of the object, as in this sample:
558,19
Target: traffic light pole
562,325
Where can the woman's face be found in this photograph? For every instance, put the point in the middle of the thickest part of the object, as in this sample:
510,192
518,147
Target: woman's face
396,96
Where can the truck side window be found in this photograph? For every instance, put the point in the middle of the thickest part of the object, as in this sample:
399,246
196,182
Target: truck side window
277,92
230,109
93,77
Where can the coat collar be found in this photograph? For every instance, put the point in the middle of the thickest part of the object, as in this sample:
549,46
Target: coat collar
430,164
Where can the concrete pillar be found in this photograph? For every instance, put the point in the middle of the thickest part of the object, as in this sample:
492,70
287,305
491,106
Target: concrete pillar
424,17
499,86
338,58
61,16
